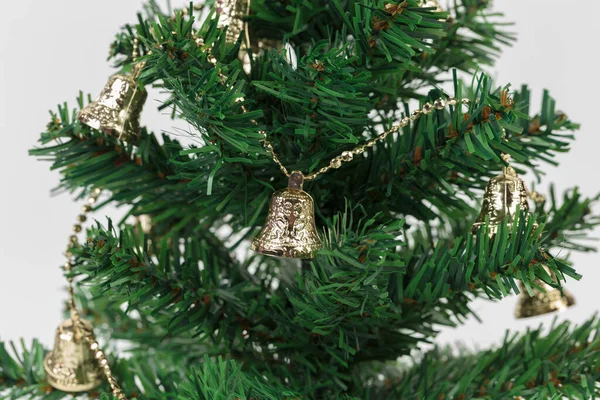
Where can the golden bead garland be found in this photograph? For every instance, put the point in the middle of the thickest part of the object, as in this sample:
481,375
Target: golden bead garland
293,208
105,366
93,344
348,156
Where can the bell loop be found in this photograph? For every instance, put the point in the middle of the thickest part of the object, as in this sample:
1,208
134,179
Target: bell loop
510,171
296,180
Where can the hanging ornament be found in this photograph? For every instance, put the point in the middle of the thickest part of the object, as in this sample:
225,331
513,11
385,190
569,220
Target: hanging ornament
290,228
504,195
71,366
231,14
117,110
544,301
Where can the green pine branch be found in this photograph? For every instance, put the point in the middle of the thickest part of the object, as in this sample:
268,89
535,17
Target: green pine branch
141,375
348,307
433,160
559,362
226,379
570,221
404,45
202,323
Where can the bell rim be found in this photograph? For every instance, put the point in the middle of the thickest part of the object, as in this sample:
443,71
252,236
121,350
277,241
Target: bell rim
493,227
55,382
521,312
280,252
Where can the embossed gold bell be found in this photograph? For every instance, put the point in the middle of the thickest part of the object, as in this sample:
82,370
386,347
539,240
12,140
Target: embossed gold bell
232,14
71,366
504,195
543,302
290,228
117,110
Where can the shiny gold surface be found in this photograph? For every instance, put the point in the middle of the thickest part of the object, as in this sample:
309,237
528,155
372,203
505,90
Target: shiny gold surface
543,302
117,110
71,366
290,228
231,14
503,197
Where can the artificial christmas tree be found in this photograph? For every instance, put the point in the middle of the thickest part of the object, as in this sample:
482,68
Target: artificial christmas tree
352,117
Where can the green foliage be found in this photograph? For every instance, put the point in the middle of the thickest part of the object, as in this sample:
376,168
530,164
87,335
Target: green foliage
560,362
203,319
22,371
225,379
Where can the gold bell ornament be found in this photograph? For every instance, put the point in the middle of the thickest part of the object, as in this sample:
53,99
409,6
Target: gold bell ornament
230,14
543,302
117,110
71,365
290,229
504,195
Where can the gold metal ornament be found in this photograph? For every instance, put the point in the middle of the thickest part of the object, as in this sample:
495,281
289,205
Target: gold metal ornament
71,366
504,195
117,110
543,302
290,229
231,14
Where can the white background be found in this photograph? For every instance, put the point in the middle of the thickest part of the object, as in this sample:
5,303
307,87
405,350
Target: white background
49,50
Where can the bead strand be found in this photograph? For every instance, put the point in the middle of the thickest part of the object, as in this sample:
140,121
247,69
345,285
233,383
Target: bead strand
88,336
104,364
348,155
74,242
